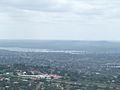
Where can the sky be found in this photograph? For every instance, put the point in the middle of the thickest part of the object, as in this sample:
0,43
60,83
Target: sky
60,19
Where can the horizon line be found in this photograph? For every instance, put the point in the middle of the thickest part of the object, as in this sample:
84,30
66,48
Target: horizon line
61,40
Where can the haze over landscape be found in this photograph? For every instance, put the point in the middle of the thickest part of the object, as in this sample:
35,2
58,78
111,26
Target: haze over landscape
59,45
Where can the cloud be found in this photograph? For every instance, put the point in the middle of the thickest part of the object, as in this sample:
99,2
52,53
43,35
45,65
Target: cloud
60,19
83,11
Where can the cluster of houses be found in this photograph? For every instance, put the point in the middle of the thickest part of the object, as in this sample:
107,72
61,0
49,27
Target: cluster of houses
39,76
42,76
112,65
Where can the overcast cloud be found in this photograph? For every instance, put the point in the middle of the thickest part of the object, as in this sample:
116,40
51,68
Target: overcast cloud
60,19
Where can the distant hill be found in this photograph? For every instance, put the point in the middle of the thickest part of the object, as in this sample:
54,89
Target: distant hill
93,46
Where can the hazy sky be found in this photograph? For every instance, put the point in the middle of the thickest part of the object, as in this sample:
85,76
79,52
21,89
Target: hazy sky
60,19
